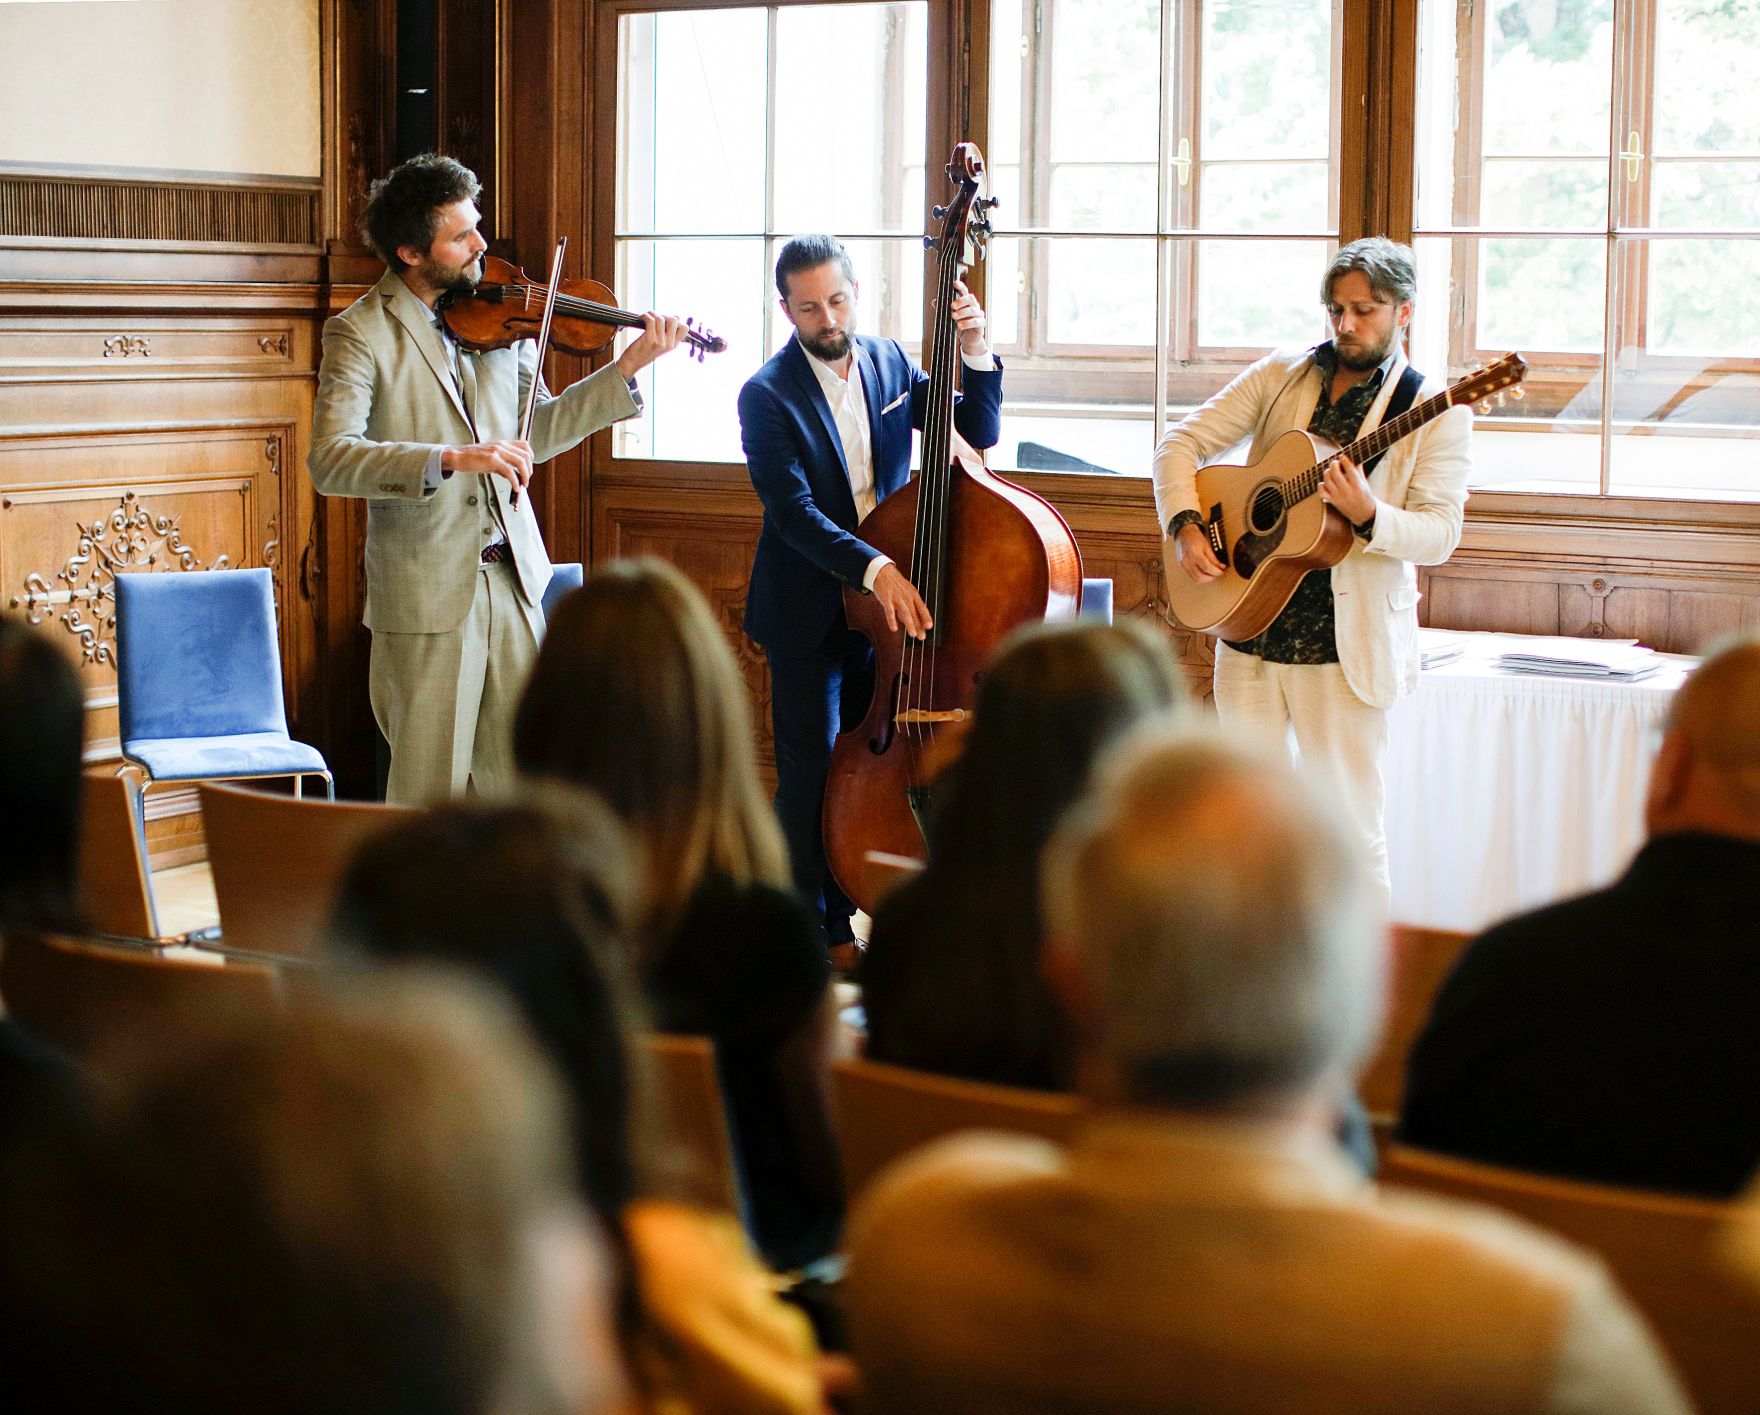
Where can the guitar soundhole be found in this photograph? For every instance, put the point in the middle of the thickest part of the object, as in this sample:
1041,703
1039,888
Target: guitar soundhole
1267,508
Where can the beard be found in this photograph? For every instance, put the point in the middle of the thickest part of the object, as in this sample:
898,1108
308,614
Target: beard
1360,358
832,345
451,279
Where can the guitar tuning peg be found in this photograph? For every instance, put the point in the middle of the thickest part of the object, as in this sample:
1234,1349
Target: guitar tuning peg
1501,397
1518,393
1483,407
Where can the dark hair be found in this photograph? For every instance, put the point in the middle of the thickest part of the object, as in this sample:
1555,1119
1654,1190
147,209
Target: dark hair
333,1208
1052,697
42,725
1390,268
636,696
809,253
534,896
403,208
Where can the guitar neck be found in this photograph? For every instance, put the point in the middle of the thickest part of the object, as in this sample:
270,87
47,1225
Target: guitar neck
1372,445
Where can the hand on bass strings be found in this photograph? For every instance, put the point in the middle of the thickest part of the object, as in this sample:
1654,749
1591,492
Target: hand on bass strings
970,320
661,334
1195,556
902,604
508,458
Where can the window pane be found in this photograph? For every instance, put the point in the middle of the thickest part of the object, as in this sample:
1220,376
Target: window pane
1098,291
850,115
1260,294
1267,76
1686,419
1707,72
1545,194
1006,290
691,413
1264,196
1707,196
1542,294
1547,64
1008,62
1119,441
690,126
1547,440
1105,78
1100,198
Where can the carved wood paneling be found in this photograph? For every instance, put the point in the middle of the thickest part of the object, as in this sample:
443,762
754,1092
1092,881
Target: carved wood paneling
142,346
79,208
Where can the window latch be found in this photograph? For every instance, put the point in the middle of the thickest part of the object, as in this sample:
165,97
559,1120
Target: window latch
1632,155
1182,162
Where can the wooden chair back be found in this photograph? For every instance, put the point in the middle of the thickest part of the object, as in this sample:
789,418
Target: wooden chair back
1421,960
885,1111
81,994
115,876
276,861
1670,1254
693,1114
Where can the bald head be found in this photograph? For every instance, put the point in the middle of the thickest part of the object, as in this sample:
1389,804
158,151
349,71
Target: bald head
1707,775
1222,922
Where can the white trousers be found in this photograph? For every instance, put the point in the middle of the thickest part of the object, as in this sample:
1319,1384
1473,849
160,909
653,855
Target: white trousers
1340,740
446,702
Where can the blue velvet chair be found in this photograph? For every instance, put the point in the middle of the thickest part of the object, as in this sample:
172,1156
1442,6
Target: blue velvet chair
563,578
198,680
1097,600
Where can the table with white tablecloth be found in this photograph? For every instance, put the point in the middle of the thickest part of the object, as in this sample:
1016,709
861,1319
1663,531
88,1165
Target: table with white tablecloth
1506,791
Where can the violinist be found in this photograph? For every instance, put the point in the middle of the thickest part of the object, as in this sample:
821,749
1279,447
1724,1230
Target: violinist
427,432
826,426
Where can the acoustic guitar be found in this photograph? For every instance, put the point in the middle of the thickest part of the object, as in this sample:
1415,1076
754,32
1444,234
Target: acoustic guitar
1267,526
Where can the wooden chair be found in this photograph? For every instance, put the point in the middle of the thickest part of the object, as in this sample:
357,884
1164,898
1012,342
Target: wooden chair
79,994
694,1114
885,1111
276,861
1668,1253
115,878
1421,961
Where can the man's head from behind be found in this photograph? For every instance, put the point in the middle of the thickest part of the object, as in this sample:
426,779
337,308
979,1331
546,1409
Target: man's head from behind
1214,923
1706,776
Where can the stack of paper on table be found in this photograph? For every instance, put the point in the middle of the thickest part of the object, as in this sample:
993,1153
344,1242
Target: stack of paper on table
1621,660
1438,646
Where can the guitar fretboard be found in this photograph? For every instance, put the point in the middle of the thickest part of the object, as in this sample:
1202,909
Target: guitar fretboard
1373,445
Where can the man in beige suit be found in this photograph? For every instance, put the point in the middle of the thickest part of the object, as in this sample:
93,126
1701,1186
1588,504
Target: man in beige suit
428,433
1201,1245
1346,646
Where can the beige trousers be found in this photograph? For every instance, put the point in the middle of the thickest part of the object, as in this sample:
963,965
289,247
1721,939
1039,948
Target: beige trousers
445,702
1340,740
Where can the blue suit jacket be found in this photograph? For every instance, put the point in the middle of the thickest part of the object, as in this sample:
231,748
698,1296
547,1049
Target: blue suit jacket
808,550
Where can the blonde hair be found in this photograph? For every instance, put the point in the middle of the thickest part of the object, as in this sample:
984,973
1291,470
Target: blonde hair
636,696
1717,711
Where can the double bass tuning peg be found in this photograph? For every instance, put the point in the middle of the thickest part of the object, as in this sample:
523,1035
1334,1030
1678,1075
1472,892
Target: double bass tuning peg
938,212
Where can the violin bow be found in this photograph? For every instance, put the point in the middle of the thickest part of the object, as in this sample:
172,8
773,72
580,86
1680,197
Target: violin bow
531,408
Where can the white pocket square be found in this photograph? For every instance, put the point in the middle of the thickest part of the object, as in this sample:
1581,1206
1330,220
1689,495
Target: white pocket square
895,402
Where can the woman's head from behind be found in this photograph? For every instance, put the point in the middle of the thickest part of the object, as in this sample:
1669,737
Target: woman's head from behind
535,895
1050,699
636,696
42,718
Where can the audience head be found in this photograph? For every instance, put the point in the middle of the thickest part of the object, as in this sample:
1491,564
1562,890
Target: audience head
359,1204
1050,699
1706,776
42,717
532,895
635,695
1216,928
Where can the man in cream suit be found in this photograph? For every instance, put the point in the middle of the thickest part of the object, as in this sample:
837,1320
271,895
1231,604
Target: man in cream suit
1201,1244
1346,646
428,433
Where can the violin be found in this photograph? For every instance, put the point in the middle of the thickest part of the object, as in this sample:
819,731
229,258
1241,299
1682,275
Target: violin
508,306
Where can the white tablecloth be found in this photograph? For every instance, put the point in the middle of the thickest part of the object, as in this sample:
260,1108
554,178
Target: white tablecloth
1506,791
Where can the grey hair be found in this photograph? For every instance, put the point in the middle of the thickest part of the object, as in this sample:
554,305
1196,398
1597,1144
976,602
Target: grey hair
808,253
1224,919
1391,268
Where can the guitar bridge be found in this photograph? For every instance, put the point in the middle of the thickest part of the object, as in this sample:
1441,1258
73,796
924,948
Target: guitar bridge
1213,532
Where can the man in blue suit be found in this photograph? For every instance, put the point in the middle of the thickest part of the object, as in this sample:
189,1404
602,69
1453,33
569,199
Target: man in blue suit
826,426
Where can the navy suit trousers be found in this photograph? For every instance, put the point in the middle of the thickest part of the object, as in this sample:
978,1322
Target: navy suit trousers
813,697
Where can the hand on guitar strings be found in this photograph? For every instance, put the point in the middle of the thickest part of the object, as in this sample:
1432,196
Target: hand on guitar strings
1196,557
1346,488
661,334
902,604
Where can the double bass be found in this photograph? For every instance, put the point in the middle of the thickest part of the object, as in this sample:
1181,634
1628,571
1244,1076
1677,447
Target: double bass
986,555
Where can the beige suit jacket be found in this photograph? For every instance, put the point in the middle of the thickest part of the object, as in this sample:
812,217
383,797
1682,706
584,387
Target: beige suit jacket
1420,485
1165,1264
386,399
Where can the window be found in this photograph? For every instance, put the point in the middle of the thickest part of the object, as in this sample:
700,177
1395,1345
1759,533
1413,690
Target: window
1168,172
737,128
1588,192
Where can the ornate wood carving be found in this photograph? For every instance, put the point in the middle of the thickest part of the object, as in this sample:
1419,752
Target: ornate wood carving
276,344
129,540
124,346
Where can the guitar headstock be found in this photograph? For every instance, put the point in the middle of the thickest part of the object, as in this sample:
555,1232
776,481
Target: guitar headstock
1482,386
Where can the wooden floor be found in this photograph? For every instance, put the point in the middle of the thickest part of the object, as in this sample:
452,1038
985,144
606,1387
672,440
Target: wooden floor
185,895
